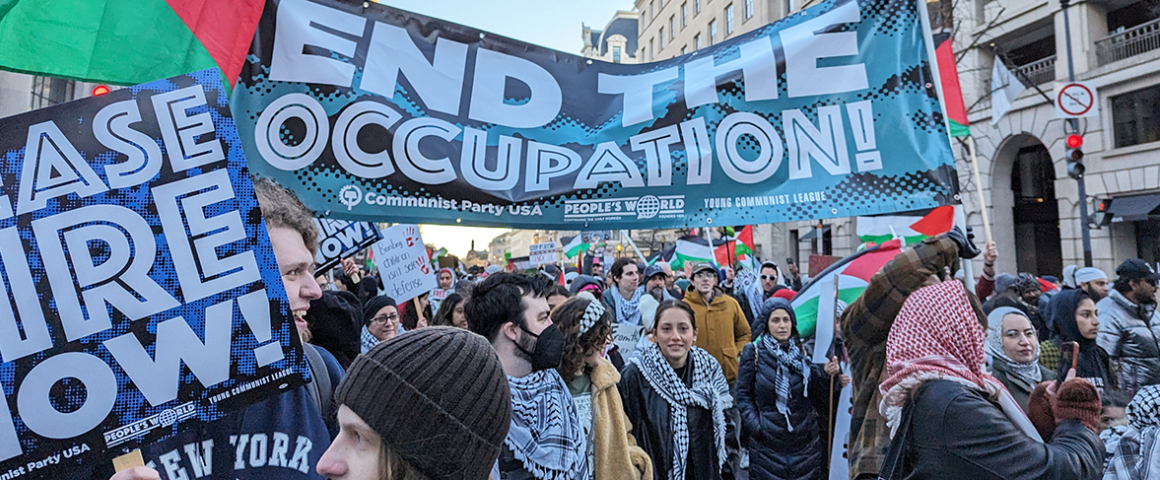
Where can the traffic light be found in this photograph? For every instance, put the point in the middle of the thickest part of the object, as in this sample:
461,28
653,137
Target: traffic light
1075,167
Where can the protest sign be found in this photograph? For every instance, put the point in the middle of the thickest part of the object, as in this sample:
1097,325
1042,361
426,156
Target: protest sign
338,239
403,263
141,294
831,112
542,253
627,337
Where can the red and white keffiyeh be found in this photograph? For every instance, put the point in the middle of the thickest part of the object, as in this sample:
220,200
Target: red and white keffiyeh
937,336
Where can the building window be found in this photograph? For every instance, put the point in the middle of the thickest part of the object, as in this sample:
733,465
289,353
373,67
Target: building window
696,7
748,9
661,39
696,42
48,91
616,54
1136,117
651,50
729,20
652,8
712,31
672,27
684,49
684,15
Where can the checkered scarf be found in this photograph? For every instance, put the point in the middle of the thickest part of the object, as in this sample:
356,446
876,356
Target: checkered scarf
627,311
1137,457
368,340
937,336
546,435
787,358
710,391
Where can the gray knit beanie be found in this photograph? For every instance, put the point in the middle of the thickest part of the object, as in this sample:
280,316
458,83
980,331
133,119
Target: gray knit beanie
439,398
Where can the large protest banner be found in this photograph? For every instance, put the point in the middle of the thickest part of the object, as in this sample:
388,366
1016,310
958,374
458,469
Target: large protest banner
338,239
830,112
141,294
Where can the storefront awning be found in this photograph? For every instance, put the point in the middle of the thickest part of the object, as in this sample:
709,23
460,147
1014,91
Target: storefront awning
1133,209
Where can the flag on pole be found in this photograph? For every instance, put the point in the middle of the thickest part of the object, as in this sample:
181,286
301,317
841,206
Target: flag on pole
575,245
1005,88
911,228
734,248
952,91
855,272
692,249
126,41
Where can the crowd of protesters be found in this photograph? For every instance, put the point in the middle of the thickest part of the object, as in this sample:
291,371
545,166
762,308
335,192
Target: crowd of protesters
507,375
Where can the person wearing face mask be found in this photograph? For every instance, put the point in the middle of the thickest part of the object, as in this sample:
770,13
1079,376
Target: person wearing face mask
675,397
591,378
1130,326
546,440
1074,317
623,296
1014,350
782,399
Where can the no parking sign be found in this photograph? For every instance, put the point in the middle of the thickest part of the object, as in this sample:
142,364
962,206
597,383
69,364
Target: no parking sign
1076,99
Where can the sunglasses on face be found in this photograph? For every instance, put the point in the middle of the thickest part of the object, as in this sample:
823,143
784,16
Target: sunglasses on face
769,277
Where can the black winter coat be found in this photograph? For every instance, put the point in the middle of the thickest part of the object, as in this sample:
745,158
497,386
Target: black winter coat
774,451
958,434
648,413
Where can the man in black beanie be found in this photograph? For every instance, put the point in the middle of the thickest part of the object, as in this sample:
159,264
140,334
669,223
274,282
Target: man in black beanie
432,404
546,440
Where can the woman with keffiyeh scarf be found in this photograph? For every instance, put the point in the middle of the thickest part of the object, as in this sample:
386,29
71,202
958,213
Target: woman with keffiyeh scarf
1137,455
950,419
675,397
781,397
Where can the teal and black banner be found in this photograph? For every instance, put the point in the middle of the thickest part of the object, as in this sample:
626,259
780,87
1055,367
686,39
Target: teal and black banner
376,114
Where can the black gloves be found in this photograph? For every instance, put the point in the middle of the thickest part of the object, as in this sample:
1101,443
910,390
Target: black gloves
967,249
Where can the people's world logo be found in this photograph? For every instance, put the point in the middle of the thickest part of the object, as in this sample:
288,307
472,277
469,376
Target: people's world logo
350,195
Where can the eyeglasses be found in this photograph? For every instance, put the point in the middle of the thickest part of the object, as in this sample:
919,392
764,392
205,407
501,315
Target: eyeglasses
385,318
769,277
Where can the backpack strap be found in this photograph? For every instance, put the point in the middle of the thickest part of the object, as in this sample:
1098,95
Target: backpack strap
892,463
320,387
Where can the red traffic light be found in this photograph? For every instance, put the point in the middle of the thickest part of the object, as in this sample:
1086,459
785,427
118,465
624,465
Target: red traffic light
100,90
1074,141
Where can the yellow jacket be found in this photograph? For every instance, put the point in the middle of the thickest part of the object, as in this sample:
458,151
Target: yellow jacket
616,455
722,329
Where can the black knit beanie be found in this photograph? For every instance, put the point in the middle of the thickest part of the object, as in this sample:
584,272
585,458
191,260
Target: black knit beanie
374,305
438,397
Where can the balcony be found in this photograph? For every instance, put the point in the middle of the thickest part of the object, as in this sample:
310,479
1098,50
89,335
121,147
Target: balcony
1128,43
1038,72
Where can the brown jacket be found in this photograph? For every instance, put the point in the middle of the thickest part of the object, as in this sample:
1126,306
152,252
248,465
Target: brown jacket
616,455
722,329
865,325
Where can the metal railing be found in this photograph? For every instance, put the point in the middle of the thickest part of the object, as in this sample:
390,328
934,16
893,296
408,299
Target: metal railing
1038,72
1128,43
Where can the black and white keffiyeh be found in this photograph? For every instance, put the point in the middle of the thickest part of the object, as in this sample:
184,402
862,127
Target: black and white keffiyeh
747,284
790,357
546,435
709,391
592,314
628,311
368,340
1137,456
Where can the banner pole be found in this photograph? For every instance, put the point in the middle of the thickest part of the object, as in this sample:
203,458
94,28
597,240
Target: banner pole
632,244
979,188
709,240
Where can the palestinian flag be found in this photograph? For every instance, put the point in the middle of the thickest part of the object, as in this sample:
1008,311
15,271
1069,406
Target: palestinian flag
736,247
949,79
911,228
126,41
853,274
692,249
574,246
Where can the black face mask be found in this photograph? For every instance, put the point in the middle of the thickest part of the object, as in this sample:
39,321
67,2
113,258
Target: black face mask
549,348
